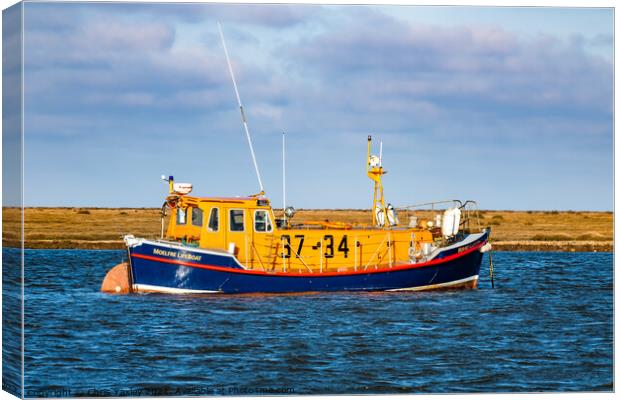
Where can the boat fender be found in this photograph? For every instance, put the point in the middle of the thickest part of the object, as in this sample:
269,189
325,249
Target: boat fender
487,247
391,215
451,222
117,280
380,216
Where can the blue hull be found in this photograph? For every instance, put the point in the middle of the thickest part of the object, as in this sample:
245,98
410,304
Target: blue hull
161,267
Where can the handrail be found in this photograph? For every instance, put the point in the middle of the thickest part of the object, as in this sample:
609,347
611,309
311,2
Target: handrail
467,206
326,224
300,259
432,203
255,251
468,202
381,255
375,253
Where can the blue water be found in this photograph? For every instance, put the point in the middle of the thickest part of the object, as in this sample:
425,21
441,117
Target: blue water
547,326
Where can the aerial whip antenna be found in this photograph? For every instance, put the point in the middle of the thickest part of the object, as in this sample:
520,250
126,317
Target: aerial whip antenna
243,119
283,178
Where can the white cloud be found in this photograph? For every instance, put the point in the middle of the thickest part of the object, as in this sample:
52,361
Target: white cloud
358,71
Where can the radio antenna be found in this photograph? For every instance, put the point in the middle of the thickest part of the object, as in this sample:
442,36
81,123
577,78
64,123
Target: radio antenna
243,118
283,178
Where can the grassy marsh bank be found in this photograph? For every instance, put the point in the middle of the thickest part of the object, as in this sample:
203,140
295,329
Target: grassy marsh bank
103,228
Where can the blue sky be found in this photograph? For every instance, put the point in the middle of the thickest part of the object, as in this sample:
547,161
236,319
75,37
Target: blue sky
509,106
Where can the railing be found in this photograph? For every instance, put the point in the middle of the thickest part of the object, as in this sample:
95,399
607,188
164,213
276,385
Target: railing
470,214
471,211
382,250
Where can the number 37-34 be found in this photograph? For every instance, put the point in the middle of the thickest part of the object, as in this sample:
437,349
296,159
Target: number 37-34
296,249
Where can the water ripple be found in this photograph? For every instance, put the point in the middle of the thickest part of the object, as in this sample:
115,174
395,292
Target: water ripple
546,327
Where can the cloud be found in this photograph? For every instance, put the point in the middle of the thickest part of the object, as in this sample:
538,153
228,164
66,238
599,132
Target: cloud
155,77
379,66
270,15
117,64
95,42
117,35
366,62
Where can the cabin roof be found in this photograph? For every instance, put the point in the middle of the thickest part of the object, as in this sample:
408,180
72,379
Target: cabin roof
247,201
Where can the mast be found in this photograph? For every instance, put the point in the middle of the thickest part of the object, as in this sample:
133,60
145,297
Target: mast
243,118
375,170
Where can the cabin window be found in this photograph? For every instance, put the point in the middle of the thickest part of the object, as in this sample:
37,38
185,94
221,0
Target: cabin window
262,222
214,220
196,216
181,216
236,221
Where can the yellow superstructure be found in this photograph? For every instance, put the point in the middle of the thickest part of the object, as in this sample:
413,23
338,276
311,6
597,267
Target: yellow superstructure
248,228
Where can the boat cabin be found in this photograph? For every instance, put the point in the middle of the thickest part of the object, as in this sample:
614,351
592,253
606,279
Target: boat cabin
218,222
248,228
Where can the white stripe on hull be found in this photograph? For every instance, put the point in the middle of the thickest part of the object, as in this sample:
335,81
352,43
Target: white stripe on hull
437,285
162,289
138,287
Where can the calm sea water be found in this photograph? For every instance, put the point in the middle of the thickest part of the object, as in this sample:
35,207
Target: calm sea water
547,326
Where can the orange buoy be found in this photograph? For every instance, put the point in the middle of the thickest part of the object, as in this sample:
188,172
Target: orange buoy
116,281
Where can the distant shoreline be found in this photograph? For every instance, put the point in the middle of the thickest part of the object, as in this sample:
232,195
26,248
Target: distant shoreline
497,246
103,228
549,246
